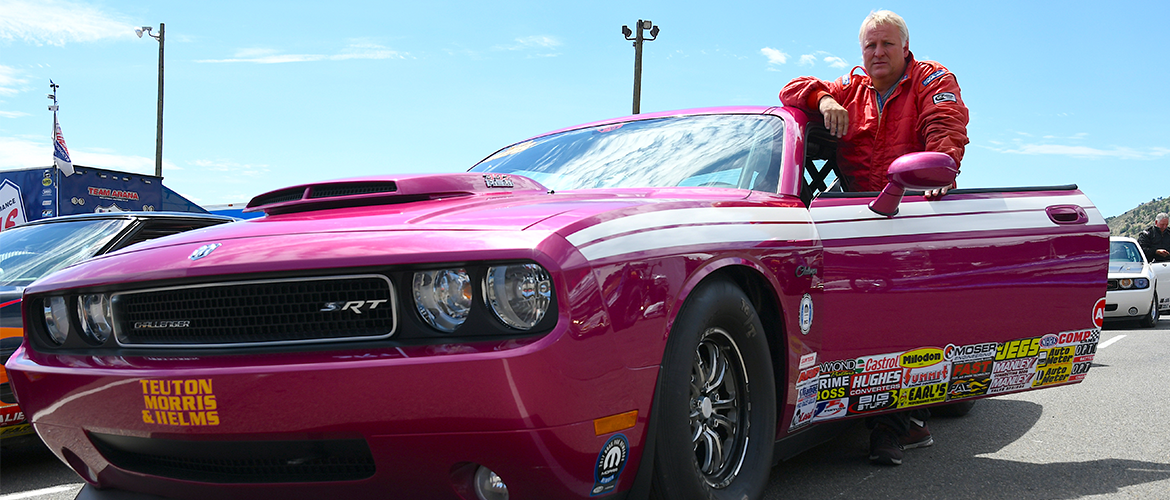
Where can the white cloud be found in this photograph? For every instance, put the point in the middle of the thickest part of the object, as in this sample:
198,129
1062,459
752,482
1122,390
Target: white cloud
775,56
542,41
30,152
808,60
836,62
12,114
355,50
230,167
53,22
9,79
1114,152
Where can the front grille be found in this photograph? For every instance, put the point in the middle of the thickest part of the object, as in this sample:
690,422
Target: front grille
240,461
257,312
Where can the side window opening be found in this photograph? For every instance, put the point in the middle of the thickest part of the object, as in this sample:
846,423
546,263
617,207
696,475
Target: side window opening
820,164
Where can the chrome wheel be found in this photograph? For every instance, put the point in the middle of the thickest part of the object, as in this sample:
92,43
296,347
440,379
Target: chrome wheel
719,408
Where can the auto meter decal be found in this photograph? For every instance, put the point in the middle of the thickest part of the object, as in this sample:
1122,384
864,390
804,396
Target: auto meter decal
610,463
183,403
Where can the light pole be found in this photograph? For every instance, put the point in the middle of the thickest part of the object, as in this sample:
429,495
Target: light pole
158,137
638,39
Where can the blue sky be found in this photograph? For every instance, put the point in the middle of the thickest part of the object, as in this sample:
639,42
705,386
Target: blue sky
261,95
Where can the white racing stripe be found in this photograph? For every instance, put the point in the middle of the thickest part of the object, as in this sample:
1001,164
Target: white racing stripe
1109,342
41,492
918,218
693,226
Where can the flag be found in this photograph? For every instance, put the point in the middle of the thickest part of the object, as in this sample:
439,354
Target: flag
60,152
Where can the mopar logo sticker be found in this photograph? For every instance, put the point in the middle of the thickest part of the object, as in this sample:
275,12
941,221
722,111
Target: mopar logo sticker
610,463
203,251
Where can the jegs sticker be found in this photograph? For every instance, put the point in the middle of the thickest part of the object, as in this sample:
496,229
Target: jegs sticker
610,463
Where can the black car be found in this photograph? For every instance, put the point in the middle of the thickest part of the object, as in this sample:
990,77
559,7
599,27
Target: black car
36,249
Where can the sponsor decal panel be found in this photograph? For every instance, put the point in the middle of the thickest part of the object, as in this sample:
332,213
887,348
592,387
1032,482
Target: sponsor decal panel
610,463
1016,349
833,386
926,356
806,399
915,377
879,362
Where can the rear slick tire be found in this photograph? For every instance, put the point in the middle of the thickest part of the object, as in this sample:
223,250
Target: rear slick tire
717,414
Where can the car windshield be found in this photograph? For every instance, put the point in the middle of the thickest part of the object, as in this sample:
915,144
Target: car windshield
30,252
736,151
1124,251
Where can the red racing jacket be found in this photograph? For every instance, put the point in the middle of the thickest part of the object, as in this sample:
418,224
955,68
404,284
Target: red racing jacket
924,113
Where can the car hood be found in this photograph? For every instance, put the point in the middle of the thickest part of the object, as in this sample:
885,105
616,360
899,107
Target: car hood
1125,267
441,225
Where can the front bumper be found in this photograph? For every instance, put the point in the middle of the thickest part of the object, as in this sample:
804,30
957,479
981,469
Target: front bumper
524,409
1130,304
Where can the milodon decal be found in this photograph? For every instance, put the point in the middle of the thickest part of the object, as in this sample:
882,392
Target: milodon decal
183,403
918,358
610,463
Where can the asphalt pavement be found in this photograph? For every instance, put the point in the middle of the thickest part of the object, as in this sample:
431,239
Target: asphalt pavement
1105,438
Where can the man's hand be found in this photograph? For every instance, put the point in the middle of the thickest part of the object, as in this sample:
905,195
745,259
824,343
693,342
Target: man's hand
836,117
937,194
1162,253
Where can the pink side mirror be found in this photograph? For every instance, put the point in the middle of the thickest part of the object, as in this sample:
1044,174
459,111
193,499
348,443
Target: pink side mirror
926,170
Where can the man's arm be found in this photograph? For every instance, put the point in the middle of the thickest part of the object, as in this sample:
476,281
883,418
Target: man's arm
942,123
812,94
1145,240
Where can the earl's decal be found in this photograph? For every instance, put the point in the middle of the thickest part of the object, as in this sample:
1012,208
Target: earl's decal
183,403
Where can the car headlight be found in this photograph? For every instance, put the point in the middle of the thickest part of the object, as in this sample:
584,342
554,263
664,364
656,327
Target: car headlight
1141,283
443,297
1125,283
57,319
518,294
96,321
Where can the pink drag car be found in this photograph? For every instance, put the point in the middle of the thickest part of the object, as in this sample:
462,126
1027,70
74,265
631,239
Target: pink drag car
662,305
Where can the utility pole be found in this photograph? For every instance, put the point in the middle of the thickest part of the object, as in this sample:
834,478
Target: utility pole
158,139
638,39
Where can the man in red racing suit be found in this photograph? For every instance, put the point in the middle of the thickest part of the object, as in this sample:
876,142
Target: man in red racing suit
897,105
890,109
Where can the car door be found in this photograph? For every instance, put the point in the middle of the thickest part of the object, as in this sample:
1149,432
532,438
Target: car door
978,266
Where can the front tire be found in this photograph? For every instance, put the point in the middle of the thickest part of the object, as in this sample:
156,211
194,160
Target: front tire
1150,320
717,414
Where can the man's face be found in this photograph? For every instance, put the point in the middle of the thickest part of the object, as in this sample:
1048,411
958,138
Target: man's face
884,53
1162,224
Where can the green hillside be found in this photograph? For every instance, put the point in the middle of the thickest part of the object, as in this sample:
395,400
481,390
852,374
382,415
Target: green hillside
1137,220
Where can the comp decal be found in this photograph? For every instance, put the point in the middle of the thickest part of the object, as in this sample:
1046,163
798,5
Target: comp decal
610,463
184,403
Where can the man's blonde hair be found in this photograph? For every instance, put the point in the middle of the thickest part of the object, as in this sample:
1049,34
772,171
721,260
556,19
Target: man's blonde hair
885,17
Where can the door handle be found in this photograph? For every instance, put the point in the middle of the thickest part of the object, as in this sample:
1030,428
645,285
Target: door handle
1067,214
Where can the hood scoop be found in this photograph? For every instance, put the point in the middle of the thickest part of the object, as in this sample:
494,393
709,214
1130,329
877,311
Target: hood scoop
387,191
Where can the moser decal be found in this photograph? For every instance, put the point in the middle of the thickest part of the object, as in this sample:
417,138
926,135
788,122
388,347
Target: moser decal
610,463
185,403
973,352
918,358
